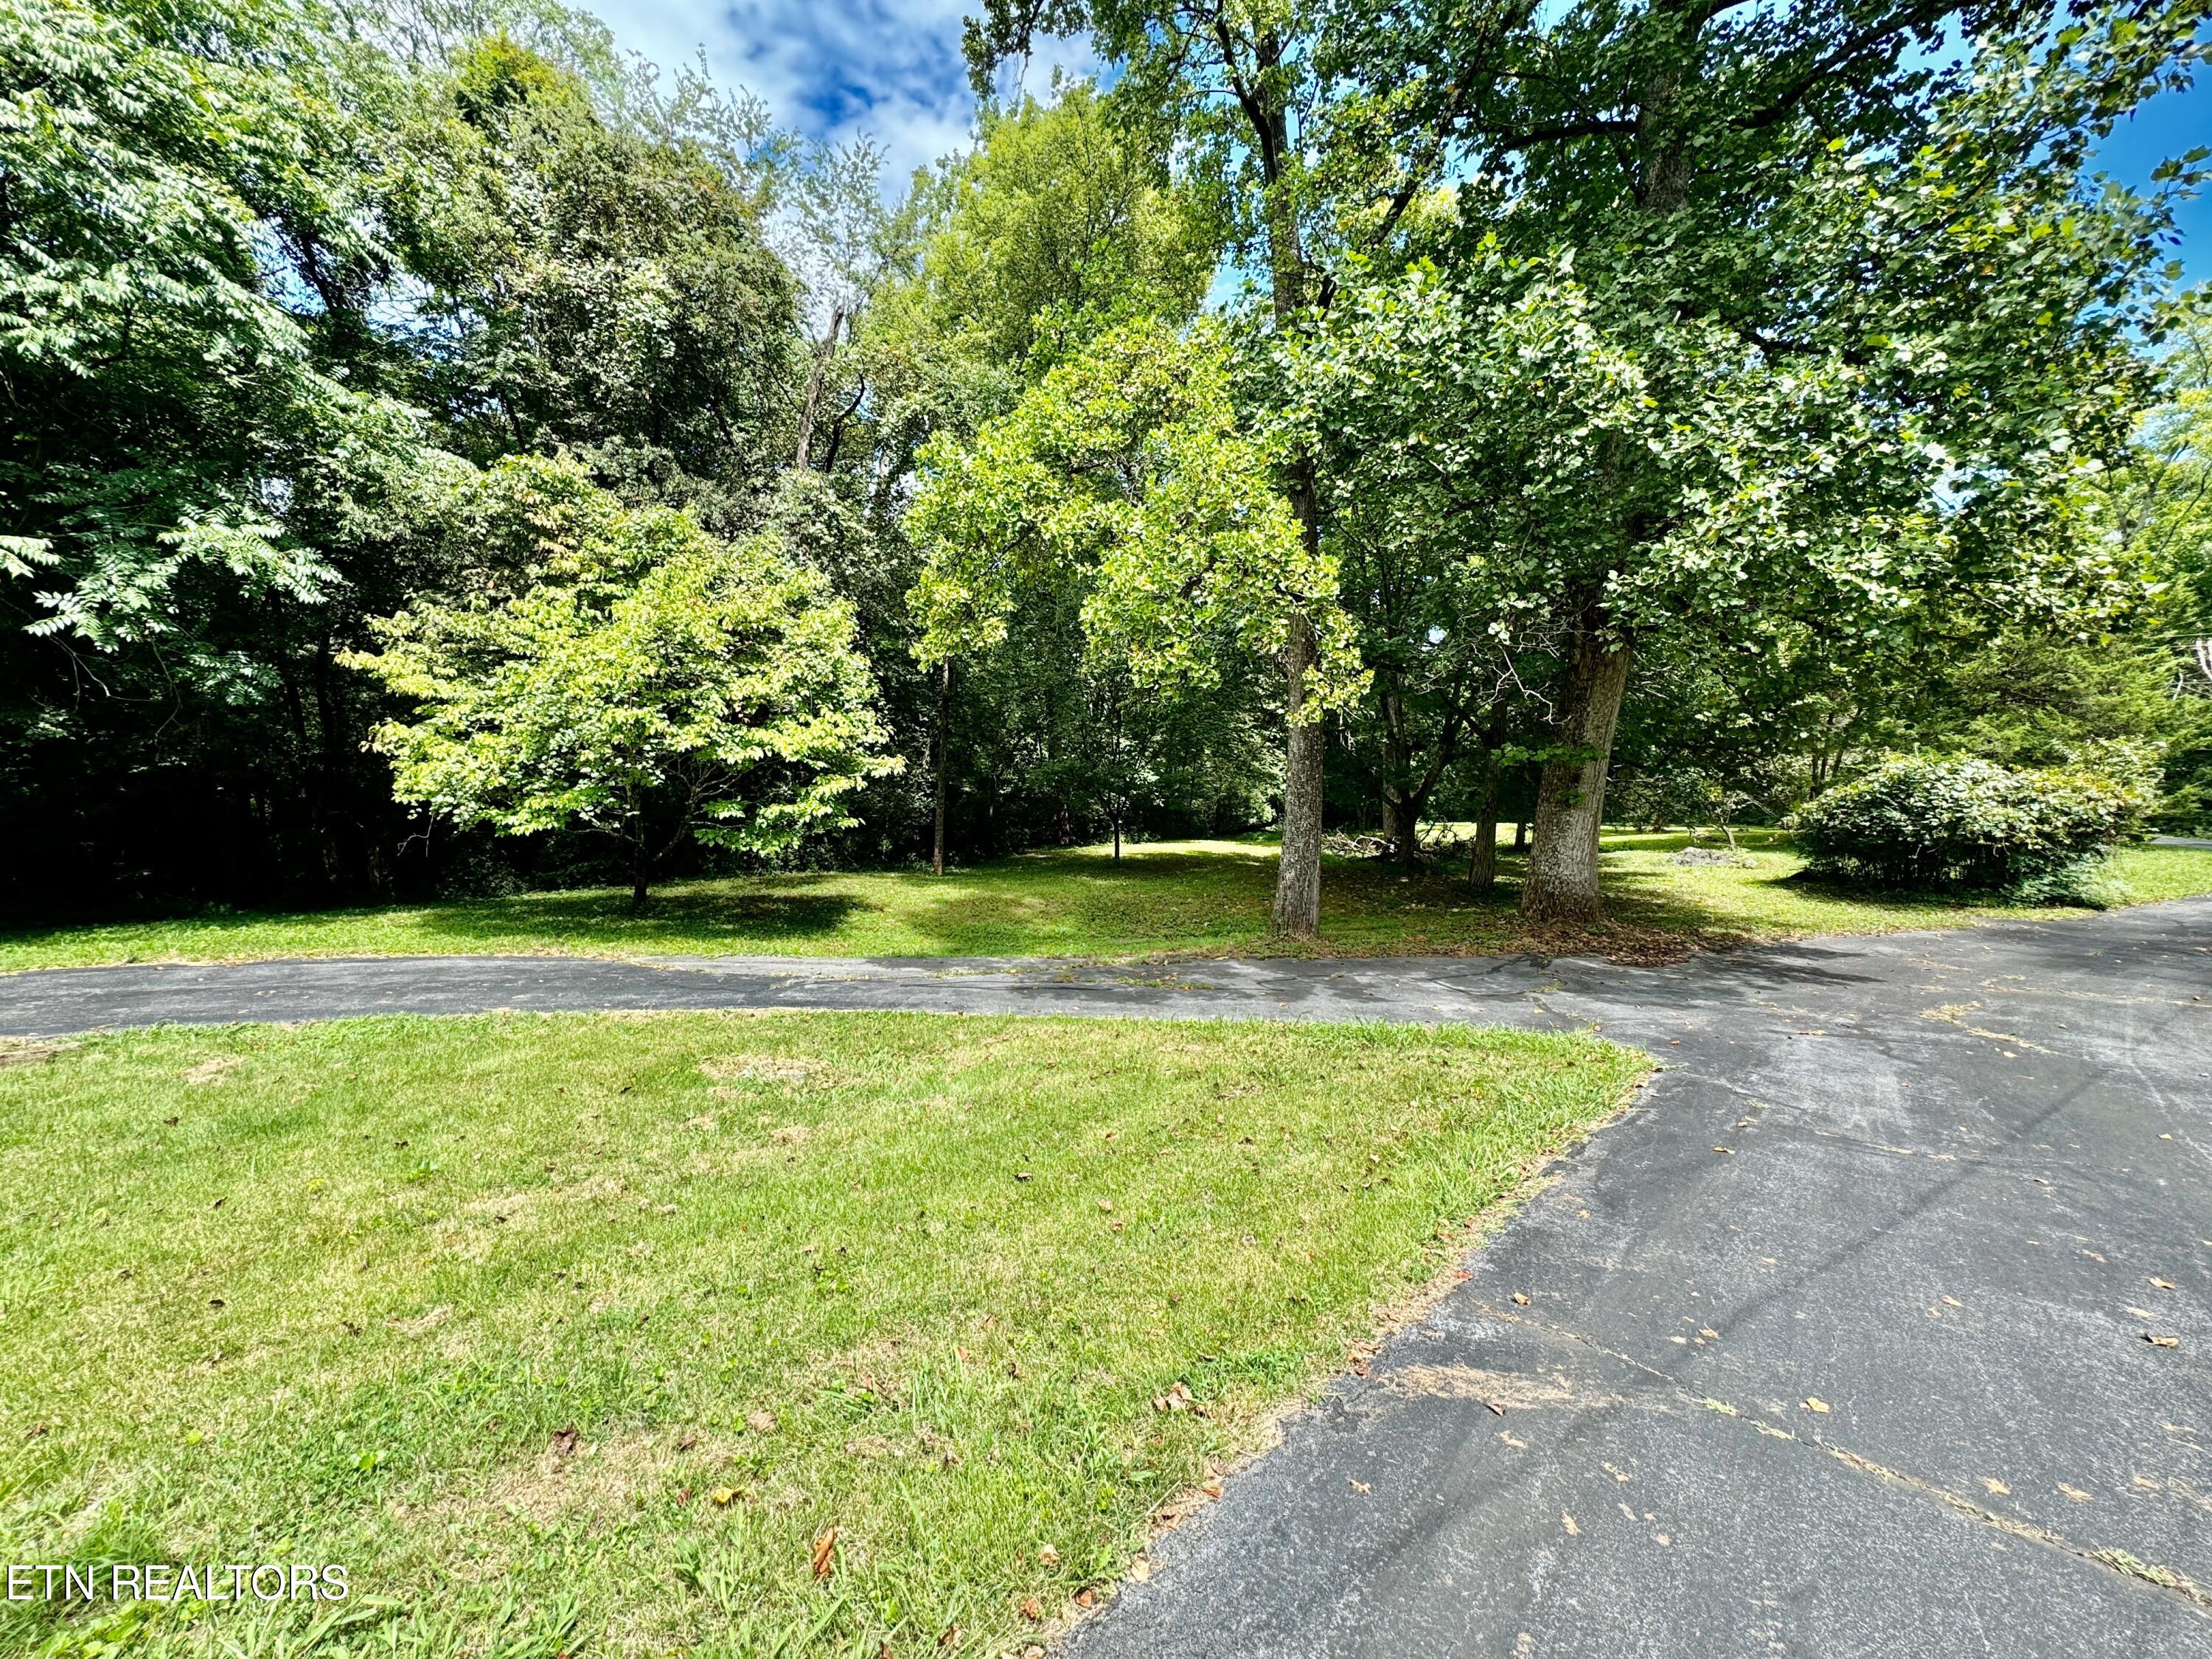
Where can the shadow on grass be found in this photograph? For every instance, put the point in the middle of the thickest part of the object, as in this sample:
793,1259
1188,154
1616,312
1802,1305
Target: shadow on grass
687,911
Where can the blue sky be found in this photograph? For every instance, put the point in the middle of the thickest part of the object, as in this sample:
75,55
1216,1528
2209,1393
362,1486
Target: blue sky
891,69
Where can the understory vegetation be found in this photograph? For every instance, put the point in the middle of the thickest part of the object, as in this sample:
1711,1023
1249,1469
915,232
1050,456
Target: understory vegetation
840,1333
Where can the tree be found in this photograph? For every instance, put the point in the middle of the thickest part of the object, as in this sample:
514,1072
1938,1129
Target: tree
168,175
1124,476
1878,318
1237,89
618,670
1055,227
595,286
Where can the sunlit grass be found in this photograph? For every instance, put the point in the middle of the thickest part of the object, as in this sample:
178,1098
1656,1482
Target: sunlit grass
609,1321
1177,898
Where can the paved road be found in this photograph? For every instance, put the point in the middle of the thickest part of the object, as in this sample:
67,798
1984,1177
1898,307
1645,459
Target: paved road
1958,1166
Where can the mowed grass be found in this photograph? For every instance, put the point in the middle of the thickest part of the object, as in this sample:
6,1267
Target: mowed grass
1198,898
580,1334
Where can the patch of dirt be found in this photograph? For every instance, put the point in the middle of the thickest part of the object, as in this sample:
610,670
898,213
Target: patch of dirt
782,1071
575,1476
211,1071
30,1054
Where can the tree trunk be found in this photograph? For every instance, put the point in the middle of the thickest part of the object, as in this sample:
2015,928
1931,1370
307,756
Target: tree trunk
1118,838
1520,835
1482,862
1401,826
640,870
811,404
1561,885
1297,879
944,690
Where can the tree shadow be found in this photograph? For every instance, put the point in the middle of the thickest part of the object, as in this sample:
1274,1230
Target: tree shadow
701,913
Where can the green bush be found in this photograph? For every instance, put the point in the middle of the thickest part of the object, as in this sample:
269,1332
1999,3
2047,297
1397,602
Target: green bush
1969,824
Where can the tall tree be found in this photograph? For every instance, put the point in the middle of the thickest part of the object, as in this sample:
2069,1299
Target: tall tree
1123,477
1237,87
1822,237
596,287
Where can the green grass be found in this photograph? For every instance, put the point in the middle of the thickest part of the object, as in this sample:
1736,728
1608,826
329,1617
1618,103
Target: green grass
1205,898
340,1293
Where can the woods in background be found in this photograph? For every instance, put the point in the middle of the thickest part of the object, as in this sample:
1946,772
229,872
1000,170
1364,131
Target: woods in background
441,453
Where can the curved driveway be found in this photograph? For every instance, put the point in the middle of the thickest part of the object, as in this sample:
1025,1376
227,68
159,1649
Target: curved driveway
1840,1344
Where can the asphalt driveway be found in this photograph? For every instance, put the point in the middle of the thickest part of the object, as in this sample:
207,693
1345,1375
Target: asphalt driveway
1882,1325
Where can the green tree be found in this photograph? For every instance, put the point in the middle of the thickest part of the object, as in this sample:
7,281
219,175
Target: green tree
1241,94
169,174
1125,476
597,287
1055,227
1877,316
618,670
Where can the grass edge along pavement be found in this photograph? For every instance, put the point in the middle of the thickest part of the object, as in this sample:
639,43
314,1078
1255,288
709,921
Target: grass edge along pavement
1183,899
610,1321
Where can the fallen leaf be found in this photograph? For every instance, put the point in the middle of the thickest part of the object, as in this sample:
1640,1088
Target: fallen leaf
2162,1341
1106,1204
1176,1399
2075,1493
1730,1150
1997,1488
1495,1406
1031,1610
723,1497
951,1639
1141,1571
1507,1436
1952,1302
1083,1597
1568,1521
825,1549
1021,1175
1816,1404
761,1422
1519,1300
1361,1485
1211,1488
1047,1556
564,1443
687,1443
2162,1283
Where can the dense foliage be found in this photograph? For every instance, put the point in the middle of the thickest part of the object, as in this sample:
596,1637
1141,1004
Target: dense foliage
1916,822
438,451
618,670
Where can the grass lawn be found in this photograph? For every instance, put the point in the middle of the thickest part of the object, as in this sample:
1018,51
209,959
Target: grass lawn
1204,898
594,1334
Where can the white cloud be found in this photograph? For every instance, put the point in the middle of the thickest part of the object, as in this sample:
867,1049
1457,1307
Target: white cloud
889,69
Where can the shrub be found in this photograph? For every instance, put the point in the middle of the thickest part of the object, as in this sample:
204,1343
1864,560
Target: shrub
1968,823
